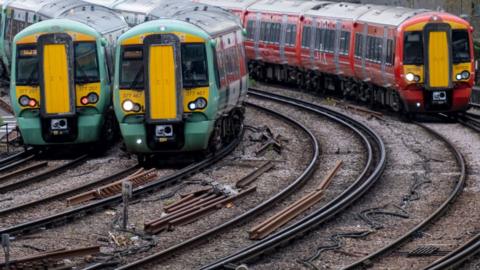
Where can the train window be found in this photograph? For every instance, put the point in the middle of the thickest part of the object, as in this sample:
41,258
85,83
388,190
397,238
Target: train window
358,45
194,65
132,69
460,46
390,52
86,65
306,36
344,42
291,34
413,48
276,32
329,40
27,66
318,38
268,32
250,30
263,27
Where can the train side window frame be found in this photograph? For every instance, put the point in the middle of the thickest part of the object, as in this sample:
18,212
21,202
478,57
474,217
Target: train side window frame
306,36
344,48
358,45
291,34
390,60
250,29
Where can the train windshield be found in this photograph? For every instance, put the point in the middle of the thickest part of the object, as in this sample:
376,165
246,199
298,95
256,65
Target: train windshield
86,65
194,65
132,69
27,66
413,48
460,46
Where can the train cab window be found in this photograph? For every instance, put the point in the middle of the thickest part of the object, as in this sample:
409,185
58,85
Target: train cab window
291,34
460,46
306,36
344,42
413,48
86,64
194,65
27,65
132,68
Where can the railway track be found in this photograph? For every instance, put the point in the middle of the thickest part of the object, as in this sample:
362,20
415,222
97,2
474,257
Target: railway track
42,176
374,166
69,215
460,183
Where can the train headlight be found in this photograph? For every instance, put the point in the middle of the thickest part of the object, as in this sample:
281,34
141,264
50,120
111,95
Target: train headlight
410,77
128,105
199,104
92,98
465,75
24,100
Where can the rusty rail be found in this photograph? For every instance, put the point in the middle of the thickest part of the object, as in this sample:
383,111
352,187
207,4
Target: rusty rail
355,108
187,210
45,259
5,106
137,179
270,225
247,180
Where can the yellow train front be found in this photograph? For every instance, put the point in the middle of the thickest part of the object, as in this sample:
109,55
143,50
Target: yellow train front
180,83
60,87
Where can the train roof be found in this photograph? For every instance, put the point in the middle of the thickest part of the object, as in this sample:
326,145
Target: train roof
99,18
213,23
48,8
287,6
346,11
105,3
173,9
392,16
138,6
230,4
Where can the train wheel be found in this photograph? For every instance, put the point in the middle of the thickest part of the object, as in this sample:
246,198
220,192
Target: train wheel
395,103
216,139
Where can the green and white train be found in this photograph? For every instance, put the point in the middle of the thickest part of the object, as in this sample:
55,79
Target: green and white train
61,85
180,82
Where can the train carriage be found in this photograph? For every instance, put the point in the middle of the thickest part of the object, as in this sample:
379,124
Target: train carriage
19,14
180,83
61,85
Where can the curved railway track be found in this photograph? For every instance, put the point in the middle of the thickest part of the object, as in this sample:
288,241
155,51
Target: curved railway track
372,172
374,166
304,176
460,183
82,210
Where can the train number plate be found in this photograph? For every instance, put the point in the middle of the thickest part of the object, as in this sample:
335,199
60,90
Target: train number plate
439,96
59,124
162,131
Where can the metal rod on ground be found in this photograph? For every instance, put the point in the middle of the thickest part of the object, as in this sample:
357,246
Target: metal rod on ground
6,249
127,194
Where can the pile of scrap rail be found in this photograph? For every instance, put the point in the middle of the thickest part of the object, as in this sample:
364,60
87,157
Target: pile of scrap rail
48,260
197,204
281,218
139,178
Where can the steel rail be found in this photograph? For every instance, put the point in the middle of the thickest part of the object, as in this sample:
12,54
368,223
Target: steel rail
301,179
64,217
67,193
43,176
15,157
367,260
372,172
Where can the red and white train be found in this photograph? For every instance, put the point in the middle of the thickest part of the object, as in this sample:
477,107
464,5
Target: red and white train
412,60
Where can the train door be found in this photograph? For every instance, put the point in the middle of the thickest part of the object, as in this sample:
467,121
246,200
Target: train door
163,92
438,62
57,88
